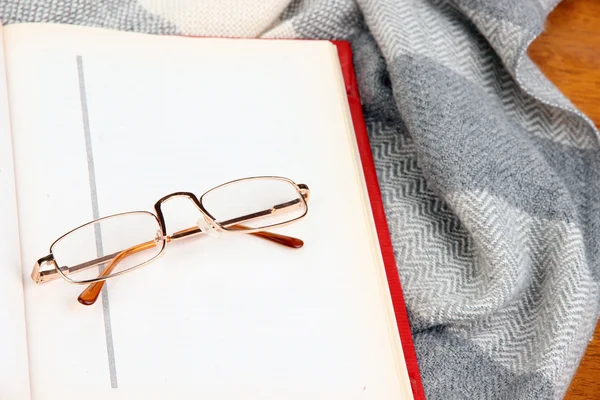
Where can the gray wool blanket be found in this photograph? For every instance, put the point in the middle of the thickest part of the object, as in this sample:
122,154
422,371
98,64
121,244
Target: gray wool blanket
490,176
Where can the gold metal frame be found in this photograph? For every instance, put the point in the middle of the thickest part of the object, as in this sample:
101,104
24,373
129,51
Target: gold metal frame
90,294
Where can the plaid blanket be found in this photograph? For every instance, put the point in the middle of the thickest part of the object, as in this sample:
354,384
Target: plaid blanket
490,176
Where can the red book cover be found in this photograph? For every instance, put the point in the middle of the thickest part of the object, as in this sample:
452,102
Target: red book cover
345,55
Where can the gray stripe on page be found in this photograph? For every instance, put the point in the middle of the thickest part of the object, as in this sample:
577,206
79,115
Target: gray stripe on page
94,194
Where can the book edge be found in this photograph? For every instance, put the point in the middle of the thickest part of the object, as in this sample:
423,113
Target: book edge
9,143
346,61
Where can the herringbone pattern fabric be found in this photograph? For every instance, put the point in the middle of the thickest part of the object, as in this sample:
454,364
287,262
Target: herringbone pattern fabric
490,177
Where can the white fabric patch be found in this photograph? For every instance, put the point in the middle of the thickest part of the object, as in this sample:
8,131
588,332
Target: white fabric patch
231,18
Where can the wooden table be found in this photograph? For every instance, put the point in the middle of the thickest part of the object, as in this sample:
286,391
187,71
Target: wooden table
568,53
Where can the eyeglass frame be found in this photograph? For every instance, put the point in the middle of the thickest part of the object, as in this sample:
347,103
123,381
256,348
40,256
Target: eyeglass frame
303,191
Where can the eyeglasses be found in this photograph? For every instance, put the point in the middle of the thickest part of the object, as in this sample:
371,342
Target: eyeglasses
120,243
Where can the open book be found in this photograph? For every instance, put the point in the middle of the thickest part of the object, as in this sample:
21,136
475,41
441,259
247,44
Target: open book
97,122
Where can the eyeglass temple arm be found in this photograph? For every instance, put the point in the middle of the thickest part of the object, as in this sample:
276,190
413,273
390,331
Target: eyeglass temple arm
277,208
284,240
91,293
52,274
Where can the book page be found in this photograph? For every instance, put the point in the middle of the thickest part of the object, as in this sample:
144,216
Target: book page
106,122
14,374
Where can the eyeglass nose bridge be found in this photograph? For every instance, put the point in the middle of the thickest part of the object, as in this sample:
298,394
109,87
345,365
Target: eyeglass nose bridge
160,202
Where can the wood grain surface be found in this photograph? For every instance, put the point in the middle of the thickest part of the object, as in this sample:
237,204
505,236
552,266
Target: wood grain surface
568,52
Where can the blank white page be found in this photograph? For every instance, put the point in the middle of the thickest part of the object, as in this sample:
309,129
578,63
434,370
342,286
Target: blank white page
14,375
106,122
